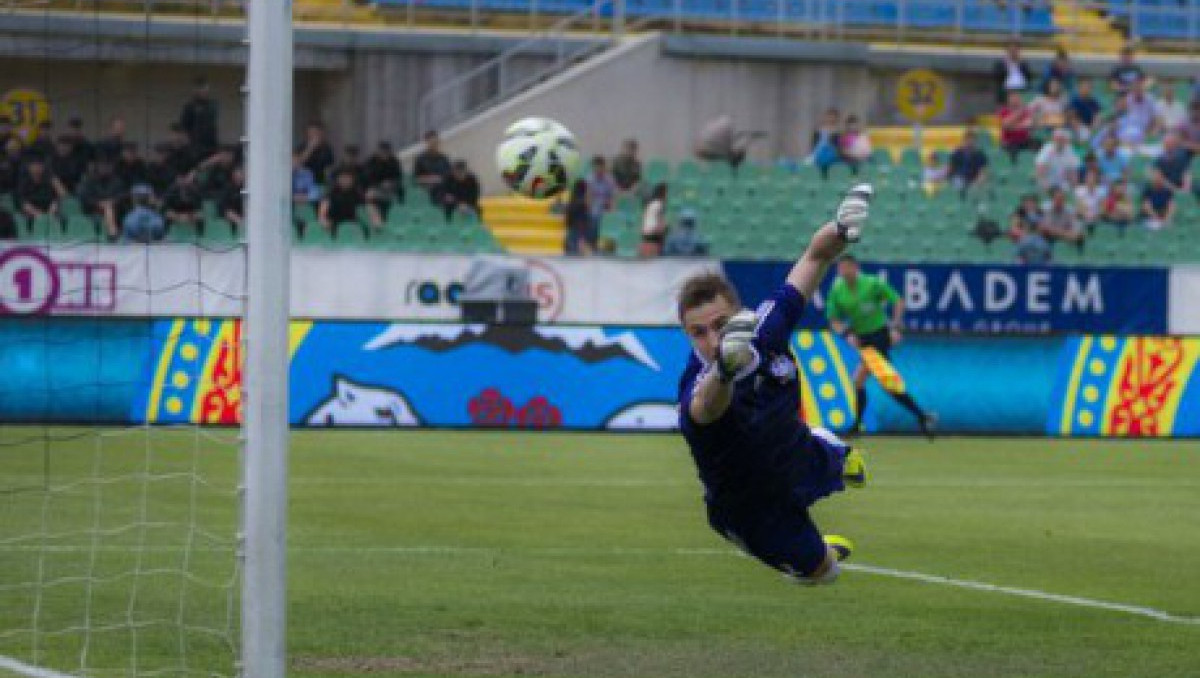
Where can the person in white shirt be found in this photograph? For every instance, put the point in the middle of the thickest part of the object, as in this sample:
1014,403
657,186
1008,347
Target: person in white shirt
654,223
1089,199
1172,113
1057,163
1049,108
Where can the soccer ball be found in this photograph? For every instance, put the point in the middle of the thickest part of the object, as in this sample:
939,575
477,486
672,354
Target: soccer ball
538,157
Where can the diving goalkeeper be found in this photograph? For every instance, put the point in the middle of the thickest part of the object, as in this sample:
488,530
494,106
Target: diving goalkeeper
761,466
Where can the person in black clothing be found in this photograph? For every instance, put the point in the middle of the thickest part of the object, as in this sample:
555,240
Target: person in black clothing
217,173
10,165
199,119
35,194
431,168
352,162
385,177
130,167
315,152
968,164
578,217
342,203
83,150
460,192
1011,73
1125,73
160,173
99,192
43,145
232,204
6,129
183,157
66,165
183,201
109,148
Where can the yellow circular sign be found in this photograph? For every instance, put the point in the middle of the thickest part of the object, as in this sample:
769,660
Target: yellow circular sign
921,95
27,109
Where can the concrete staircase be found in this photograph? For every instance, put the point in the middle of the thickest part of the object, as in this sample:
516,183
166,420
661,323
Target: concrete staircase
524,226
1084,29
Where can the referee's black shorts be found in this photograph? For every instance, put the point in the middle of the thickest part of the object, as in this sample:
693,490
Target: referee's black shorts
880,340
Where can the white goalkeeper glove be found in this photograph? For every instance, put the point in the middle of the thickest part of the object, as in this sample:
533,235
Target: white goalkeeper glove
853,212
736,356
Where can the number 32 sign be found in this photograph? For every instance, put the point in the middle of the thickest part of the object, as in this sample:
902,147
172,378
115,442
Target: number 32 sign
921,95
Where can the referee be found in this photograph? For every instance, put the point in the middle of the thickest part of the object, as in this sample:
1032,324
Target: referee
855,309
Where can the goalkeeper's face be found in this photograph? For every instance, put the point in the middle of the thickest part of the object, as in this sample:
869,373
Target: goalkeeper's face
704,323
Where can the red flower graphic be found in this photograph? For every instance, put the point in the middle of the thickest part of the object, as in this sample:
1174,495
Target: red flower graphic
491,408
539,413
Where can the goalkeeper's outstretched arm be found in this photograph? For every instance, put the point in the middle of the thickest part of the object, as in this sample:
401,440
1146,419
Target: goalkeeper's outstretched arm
830,241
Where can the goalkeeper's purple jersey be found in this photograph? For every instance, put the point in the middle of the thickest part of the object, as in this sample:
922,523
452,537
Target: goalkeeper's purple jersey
755,453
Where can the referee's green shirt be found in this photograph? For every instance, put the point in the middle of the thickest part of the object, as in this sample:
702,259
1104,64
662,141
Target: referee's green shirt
861,306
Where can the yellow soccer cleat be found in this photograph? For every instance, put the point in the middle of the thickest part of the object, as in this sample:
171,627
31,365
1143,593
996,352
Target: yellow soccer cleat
842,546
854,472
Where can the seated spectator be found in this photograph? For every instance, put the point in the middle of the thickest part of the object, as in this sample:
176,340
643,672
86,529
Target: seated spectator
1158,203
934,172
627,168
431,168
66,167
1059,223
305,188
8,226
100,191
1118,204
854,144
83,149
1089,199
109,147
654,223
10,165
1174,164
1011,74
968,164
1057,164
1138,118
1126,73
351,161
602,190
683,240
183,157
1060,69
232,204
315,152
1189,132
385,176
183,201
461,192
1091,163
130,167
720,142
159,172
1027,217
36,196
215,175
1172,113
581,232
1016,127
827,142
1049,108
1032,249
1112,159
1079,134
43,145
142,223
1085,104
343,202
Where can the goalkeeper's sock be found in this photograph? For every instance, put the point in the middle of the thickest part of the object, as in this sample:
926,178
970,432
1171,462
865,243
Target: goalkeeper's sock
860,403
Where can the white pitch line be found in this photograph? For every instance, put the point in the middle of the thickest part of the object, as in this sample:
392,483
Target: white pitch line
29,670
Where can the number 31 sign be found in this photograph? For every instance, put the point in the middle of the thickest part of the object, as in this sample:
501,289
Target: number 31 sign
921,95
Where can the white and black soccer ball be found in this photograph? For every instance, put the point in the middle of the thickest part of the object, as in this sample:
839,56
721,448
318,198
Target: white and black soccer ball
538,157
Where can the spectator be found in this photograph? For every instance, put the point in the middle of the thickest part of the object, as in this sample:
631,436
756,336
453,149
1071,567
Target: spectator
10,165
109,148
215,175
315,152
854,144
1091,163
130,167
305,189
142,223
1059,222
351,161
654,223
343,203
1057,164
1112,159
1089,199
1123,76
1158,203
602,190
627,168
934,173
1011,74
1139,119
683,240
199,119
385,177
232,205
1118,204
36,196
1032,249
43,145
182,156
432,167
1189,132
1174,164
827,142
461,194
99,192
720,142
1049,108
582,234
1027,216
159,172
1172,114
66,166
183,201
1061,69
1016,126
1085,104
8,225
83,150
968,164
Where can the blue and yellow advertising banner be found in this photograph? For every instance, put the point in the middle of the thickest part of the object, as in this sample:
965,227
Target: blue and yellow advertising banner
382,374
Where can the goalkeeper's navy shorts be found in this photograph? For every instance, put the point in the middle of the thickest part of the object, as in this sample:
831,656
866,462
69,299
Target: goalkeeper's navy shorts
781,533
880,340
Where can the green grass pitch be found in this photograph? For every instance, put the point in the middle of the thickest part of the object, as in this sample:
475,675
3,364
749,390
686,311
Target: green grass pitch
514,554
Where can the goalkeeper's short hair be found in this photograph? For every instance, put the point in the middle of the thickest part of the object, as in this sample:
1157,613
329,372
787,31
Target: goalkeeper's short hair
703,288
